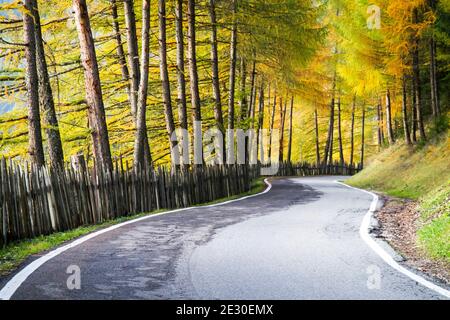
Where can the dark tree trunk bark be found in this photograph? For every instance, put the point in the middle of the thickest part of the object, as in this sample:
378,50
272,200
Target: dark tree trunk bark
329,143
352,131
417,82
259,137
282,121
405,112
164,73
141,123
120,51
94,97
389,129
242,93
35,149
182,104
434,80
251,108
192,57
380,127
193,77
341,149
413,114
362,136
316,129
135,74
55,149
215,67
133,52
272,123
330,151
382,123
434,86
289,155
233,50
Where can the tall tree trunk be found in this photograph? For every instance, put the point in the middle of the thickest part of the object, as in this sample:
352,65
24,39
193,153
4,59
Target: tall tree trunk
271,126
193,76
434,86
135,74
215,67
362,136
133,52
36,149
405,112
252,89
290,130
341,149
192,57
94,97
182,104
243,94
331,147
120,51
259,137
379,127
416,77
413,113
316,129
434,79
352,131
233,50
382,122
55,149
141,123
253,107
167,100
329,143
389,129
282,121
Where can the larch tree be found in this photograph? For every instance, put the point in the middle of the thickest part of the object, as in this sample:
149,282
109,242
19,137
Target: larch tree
94,97
181,79
141,120
164,73
55,149
36,149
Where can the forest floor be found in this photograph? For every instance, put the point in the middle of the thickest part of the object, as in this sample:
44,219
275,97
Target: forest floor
400,221
15,254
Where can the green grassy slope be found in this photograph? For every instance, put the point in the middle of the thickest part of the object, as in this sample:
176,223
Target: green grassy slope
421,173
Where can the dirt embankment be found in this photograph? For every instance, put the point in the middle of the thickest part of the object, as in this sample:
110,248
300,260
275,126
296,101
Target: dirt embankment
399,222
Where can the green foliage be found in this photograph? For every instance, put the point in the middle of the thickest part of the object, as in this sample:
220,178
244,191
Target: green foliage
435,237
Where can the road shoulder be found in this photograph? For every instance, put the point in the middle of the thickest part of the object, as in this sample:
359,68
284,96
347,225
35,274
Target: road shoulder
398,223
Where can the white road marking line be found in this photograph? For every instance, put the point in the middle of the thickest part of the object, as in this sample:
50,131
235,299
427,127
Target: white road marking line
15,282
364,233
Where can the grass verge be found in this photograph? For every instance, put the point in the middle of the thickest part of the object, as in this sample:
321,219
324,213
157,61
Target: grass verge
421,173
15,253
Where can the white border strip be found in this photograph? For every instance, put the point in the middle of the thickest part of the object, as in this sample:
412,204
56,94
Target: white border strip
364,233
13,284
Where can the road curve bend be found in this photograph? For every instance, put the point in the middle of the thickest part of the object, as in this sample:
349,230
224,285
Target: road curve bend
299,241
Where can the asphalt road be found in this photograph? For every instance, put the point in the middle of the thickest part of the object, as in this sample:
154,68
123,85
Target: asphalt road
298,241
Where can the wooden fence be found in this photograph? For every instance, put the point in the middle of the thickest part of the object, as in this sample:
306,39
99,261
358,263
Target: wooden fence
38,201
304,169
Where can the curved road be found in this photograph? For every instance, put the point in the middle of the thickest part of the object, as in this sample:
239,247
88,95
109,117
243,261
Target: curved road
298,241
